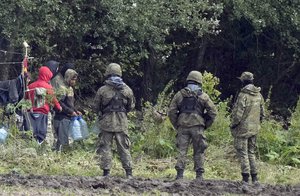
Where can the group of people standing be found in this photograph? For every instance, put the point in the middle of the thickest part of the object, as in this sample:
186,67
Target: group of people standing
52,89
191,112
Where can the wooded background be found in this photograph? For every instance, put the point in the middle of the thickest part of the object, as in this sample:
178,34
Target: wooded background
156,41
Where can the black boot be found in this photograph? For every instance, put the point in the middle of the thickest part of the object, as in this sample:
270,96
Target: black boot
129,173
254,178
199,174
245,177
179,174
106,172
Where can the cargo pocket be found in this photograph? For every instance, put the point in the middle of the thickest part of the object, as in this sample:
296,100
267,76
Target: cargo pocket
203,143
126,140
177,142
238,144
100,143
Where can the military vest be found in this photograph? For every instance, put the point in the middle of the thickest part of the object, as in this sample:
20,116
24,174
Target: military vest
116,104
190,104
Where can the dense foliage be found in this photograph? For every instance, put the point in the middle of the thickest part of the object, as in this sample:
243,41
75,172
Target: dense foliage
161,41
156,41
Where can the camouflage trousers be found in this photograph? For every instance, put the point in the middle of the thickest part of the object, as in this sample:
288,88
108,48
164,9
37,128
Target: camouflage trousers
245,148
105,149
195,136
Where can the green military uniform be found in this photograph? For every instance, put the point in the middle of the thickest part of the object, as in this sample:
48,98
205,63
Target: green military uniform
191,111
112,103
245,123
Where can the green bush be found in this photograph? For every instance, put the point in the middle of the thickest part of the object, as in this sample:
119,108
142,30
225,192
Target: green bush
219,133
151,136
157,139
277,145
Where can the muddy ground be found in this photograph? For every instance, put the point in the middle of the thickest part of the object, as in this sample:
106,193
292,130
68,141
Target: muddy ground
62,185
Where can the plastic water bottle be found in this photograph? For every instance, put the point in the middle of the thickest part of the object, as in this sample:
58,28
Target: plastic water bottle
83,128
3,134
75,131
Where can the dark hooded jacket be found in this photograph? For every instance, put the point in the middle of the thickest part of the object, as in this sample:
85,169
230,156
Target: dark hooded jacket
11,91
53,66
66,67
58,81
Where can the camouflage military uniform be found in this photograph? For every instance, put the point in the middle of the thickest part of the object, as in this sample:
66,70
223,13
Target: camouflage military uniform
191,112
245,124
112,103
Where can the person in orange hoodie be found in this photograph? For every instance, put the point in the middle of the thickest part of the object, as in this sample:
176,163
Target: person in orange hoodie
42,96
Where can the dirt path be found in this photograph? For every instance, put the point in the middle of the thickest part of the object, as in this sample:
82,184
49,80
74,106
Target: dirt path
137,186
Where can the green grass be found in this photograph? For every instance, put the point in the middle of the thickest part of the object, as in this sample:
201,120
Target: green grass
21,157
154,152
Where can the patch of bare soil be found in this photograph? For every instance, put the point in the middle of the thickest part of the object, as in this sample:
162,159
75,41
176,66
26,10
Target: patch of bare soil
138,186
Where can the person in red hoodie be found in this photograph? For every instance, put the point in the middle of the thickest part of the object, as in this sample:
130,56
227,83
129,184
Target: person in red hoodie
42,96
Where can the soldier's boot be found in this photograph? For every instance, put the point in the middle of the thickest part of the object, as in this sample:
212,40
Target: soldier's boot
254,178
106,172
128,173
199,174
245,177
179,174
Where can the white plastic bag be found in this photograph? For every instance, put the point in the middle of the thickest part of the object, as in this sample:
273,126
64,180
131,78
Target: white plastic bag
3,134
83,128
75,129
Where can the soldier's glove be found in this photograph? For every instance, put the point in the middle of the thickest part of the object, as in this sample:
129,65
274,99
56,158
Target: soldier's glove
208,121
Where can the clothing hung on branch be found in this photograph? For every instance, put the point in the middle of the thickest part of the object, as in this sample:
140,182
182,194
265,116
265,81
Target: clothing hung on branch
11,91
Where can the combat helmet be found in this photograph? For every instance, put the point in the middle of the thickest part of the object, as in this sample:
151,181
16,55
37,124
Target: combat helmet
195,76
113,69
246,76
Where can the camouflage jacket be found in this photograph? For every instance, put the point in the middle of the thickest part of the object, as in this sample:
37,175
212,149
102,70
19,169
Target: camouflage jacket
188,120
113,121
65,95
247,112
58,81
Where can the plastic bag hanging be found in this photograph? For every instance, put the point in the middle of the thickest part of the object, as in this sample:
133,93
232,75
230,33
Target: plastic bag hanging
96,126
3,134
83,128
75,129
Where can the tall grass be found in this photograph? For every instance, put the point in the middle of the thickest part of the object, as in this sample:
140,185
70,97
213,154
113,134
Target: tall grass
154,151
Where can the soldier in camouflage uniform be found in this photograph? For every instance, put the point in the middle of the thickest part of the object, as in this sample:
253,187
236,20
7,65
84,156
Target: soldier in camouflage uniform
191,112
246,117
112,103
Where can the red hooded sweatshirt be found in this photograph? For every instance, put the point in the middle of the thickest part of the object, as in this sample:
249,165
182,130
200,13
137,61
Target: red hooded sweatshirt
43,82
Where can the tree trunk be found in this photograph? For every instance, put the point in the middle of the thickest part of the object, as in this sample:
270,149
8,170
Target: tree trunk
201,53
148,70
